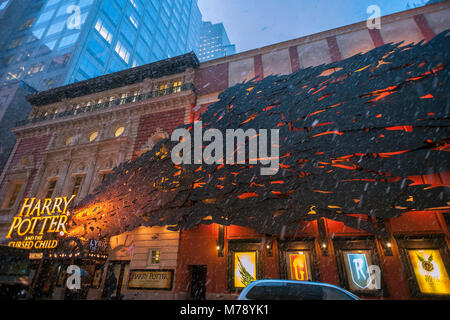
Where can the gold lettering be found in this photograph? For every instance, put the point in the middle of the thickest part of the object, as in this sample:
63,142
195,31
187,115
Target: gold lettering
66,203
14,225
62,224
34,220
37,207
57,204
46,206
26,205
19,232
53,224
45,219
53,244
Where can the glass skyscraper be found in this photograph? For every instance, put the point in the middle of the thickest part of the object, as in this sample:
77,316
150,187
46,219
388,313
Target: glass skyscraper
58,42
49,43
214,42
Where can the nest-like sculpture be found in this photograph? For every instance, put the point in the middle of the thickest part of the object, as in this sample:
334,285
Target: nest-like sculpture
365,136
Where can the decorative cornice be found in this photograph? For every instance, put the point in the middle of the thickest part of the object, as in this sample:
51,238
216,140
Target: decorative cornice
144,106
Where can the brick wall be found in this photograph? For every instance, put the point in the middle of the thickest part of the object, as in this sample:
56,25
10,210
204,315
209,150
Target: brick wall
166,120
34,146
325,47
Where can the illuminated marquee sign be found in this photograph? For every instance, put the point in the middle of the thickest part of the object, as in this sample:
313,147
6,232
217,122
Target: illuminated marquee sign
244,268
298,267
37,220
430,272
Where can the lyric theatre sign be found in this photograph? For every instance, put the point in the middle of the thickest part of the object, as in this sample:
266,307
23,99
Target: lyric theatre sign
37,221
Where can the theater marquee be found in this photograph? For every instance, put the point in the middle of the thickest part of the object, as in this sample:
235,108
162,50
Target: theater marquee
38,223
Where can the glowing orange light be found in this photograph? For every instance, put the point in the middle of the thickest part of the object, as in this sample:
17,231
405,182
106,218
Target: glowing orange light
328,132
248,195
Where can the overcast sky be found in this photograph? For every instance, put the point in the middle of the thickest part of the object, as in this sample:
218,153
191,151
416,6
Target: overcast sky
256,23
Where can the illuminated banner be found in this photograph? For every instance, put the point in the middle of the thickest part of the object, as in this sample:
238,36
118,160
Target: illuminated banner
359,269
430,271
362,274
244,268
37,221
151,279
298,267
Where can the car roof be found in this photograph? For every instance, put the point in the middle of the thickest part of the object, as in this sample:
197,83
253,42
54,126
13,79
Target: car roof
254,283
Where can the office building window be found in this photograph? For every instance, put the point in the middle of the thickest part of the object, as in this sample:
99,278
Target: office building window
16,42
111,12
57,27
88,69
38,67
49,83
45,16
16,74
133,3
103,30
23,56
85,3
68,40
50,188
133,18
3,5
36,34
128,33
9,60
97,51
122,52
27,24
60,61
52,2
3,99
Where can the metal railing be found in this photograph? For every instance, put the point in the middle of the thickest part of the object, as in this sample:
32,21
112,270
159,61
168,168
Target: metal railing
108,104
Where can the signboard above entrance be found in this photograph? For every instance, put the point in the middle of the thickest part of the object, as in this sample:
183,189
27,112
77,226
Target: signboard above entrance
38,223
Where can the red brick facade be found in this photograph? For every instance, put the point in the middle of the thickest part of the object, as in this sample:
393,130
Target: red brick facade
33,146
167,121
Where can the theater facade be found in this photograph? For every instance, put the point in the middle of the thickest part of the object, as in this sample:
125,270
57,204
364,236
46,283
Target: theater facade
75,135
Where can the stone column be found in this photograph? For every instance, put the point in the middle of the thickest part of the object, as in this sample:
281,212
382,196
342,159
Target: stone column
34,189
62,176
92,161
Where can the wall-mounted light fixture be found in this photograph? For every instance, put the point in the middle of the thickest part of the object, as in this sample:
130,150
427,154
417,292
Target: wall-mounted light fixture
323,240
269,245
220,244
386,244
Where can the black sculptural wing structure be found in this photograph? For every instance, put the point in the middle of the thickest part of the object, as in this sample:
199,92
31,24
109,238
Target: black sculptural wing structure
368,136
